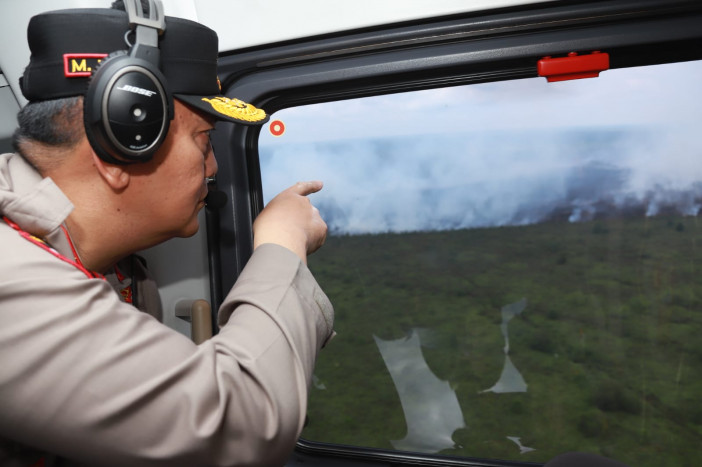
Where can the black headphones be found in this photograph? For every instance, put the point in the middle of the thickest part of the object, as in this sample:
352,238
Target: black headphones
128,107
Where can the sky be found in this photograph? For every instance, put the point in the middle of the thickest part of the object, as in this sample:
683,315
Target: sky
505,153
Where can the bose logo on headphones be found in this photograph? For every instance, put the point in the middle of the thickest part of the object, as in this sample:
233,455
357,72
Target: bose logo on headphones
136,90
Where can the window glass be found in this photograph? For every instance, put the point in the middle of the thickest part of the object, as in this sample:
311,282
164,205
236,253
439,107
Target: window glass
516,267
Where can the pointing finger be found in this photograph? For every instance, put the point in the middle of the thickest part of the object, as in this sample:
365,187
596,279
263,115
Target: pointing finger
306,188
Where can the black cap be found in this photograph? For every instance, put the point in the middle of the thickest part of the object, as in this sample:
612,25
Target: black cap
66,46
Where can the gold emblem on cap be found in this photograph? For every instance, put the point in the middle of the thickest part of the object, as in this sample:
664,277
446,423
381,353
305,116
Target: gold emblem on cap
235,108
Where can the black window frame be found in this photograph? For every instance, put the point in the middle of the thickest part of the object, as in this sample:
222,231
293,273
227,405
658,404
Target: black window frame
456,50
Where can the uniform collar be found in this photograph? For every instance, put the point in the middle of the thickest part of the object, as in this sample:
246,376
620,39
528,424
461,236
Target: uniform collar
35,204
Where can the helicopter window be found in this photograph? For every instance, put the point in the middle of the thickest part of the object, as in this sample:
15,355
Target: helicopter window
7,116
515,266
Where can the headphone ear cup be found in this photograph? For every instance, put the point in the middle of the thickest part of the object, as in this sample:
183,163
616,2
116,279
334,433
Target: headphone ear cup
127,109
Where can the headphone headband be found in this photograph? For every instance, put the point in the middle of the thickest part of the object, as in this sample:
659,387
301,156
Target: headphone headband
155,21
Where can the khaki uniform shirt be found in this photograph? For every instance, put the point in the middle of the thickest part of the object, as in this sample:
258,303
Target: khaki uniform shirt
85,377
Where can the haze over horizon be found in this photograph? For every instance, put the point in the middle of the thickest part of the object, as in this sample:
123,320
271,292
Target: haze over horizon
506,153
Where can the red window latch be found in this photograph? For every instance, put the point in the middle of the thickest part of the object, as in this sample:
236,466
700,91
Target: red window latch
573,66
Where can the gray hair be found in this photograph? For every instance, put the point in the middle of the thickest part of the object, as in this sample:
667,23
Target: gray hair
53,123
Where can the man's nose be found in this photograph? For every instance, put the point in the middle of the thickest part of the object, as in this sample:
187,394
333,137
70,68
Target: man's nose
210,163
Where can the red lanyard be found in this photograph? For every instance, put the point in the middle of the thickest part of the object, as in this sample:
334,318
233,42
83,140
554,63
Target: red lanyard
43,245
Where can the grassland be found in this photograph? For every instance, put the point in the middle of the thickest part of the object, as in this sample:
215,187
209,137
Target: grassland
610,343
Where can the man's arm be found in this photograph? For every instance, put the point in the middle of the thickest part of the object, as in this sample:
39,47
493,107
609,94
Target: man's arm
86,377
291,221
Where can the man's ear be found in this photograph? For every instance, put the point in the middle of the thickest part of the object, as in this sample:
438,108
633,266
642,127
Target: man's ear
114,175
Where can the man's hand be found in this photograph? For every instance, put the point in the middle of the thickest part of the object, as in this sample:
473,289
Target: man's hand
290,220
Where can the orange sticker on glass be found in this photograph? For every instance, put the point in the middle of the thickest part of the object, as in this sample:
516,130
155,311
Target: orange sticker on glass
277,128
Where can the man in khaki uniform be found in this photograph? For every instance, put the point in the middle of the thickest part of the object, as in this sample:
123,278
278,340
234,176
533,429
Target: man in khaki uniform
86,378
